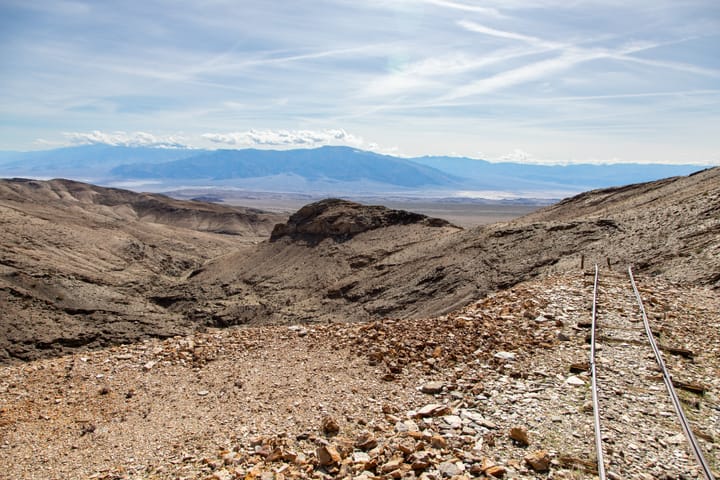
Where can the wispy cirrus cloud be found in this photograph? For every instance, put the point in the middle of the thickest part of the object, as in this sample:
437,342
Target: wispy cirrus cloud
465,7
430,76
665,65
526,73
478,28
567,56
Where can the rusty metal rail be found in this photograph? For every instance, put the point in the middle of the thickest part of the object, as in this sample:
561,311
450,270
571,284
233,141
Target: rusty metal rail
669,385
593,372
694,447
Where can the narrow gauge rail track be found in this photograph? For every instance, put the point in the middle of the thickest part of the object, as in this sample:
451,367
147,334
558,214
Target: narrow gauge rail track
650,433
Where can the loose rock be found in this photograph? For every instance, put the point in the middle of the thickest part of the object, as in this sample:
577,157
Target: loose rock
432,387
327,455
538,461
520,435
330,426
432,410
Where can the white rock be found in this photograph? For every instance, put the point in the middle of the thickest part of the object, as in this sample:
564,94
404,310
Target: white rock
432,387
301,331
450,469
475,417
453,420
575,381
477,449
406,426
360,457
505,355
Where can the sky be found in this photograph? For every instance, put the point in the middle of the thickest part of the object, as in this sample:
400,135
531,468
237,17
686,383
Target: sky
537,81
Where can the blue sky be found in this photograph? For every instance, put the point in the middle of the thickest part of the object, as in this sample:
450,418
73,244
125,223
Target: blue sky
529,80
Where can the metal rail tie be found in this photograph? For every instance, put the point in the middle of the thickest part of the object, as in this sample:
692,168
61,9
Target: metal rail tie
668,384
596,406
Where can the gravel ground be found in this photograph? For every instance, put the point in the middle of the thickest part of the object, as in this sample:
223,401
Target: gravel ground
485,391
641,432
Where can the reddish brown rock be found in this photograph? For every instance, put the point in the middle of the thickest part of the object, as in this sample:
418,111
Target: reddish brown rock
327,455
496,471
275,455
391,466
538,461
330,426
520,435
420,460
433,410
438,441
366,441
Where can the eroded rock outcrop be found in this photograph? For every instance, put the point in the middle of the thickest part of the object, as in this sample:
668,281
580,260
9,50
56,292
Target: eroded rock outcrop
342,219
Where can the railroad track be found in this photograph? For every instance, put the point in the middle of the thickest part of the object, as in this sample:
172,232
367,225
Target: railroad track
640,428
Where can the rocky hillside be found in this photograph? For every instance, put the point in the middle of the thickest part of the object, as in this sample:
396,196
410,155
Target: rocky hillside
341,220
125,205
494,390
670,227
86,266
314,269
81,265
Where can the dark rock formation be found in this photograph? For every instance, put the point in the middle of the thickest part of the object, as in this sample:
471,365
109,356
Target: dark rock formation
341,220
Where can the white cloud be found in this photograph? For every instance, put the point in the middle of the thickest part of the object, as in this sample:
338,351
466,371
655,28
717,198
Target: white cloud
477,28
286,138
465,7
120,138
527,73
518,156
438,73
521,156
245,139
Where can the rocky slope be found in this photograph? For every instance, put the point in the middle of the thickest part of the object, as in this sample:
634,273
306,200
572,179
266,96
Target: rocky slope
125,205
489,391
670,227
84,266
81,265
480,372
314,269
341,220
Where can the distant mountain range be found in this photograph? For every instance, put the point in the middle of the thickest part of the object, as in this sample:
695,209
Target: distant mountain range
324,170
337,164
